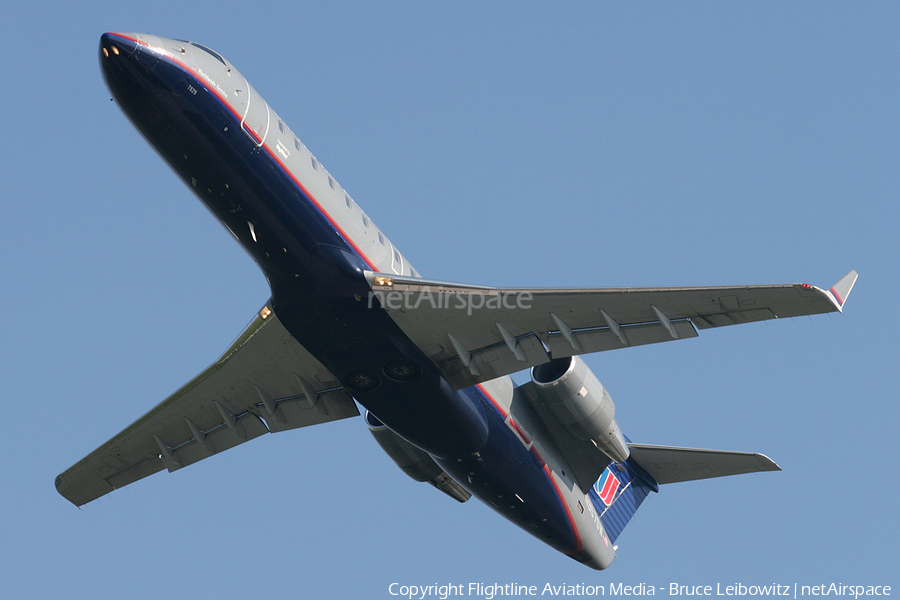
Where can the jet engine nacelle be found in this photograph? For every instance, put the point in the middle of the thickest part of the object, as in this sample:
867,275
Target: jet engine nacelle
414,461
572,393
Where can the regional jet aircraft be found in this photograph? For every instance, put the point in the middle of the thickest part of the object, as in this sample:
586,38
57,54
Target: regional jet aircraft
351,321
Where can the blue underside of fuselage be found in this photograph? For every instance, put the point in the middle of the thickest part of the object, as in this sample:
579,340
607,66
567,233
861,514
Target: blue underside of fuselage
316,280
514,481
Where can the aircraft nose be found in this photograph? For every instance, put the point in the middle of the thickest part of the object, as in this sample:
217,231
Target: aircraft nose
117,44
126,62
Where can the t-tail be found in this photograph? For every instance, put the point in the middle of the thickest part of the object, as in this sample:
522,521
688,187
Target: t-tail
623,486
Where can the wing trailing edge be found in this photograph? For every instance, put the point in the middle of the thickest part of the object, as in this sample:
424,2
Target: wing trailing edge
475,333
264,382
623,486
669,464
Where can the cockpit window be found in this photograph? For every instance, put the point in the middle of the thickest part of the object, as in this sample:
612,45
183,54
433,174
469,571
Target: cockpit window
208,51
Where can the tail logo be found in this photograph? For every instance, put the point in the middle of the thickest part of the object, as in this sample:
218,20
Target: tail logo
607,486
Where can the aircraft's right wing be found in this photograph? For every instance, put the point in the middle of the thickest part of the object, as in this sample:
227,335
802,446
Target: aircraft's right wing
266,381
474,334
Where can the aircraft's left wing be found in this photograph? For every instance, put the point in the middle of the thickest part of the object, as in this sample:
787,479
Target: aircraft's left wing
266,381
475,334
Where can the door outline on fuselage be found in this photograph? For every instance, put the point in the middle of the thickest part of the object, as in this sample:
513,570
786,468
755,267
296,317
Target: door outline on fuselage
253,127
396,260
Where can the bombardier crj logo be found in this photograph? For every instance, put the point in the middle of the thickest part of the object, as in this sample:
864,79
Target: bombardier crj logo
607,486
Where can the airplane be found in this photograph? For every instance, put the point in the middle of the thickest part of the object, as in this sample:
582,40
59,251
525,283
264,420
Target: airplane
350,322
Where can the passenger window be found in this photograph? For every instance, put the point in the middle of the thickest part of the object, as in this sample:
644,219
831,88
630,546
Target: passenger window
315,163
365,220
347,200
381,239
330,182
297,144
280,126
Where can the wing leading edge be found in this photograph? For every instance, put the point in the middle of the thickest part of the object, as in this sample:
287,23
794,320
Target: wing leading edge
264,382
475,333
668,464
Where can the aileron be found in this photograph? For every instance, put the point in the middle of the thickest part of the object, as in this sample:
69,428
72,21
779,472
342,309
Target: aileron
494,331
255,387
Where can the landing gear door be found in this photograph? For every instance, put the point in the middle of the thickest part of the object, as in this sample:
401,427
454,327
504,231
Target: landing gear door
255,121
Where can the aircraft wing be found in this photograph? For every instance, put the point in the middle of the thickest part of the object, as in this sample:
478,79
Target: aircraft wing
264,382
474,334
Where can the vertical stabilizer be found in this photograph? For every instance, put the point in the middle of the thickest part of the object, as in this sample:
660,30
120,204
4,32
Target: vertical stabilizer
618,493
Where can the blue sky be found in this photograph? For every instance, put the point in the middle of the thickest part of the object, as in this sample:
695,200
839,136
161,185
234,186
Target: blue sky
508,144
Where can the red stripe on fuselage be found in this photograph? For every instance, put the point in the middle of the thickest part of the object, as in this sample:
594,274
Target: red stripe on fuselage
249,130
519,430
578,547
269,152
191,72
547,473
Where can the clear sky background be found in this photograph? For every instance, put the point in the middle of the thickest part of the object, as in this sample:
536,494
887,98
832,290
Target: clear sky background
511,144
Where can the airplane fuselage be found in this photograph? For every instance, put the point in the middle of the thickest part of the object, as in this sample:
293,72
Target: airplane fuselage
314,244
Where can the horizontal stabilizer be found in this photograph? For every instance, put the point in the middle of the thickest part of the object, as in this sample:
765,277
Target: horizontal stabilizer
667,464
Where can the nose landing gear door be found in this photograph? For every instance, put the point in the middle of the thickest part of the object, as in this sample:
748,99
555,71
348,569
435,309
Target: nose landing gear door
255,121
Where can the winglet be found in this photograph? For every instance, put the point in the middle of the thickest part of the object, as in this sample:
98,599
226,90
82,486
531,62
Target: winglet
842,288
